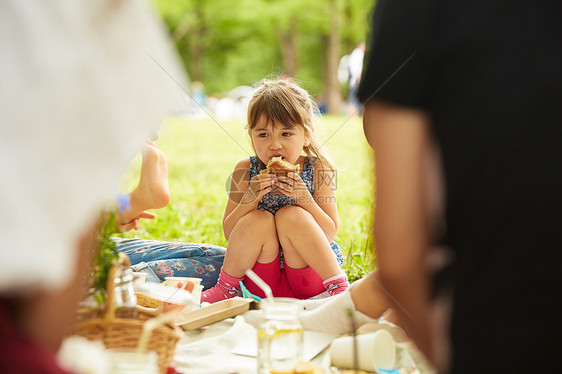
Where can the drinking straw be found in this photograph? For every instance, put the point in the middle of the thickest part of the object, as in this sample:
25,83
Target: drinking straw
354,335
261,284
247,294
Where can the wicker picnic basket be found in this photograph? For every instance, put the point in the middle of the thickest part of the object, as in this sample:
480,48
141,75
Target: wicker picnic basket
126,332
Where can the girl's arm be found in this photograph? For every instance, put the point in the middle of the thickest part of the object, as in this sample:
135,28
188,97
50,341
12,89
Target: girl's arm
325,210
244,195
322,205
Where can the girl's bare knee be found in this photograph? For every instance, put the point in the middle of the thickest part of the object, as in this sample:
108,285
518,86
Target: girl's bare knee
291,217
256,218
257,223
262,220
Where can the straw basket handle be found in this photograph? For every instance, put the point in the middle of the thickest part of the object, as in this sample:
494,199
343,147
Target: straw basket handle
110,292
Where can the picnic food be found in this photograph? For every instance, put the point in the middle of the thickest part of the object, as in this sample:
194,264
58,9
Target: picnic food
148,301
306,367
303,367
279,166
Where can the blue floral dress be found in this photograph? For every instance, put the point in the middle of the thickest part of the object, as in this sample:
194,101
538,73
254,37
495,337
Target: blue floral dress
272,203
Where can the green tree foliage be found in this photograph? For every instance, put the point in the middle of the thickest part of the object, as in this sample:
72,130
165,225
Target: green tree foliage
226,43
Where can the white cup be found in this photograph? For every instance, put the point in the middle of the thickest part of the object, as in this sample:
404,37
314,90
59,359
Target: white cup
196,294
139,279
374,350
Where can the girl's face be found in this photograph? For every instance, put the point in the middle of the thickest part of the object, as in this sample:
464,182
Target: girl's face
278,140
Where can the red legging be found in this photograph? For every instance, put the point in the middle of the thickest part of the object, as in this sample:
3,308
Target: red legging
286,282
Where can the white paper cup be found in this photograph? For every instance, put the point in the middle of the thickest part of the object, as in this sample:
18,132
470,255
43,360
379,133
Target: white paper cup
139,279
173,281
374,350
196,294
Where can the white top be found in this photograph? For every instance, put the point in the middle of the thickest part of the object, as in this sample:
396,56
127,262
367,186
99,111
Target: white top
82,84
355,65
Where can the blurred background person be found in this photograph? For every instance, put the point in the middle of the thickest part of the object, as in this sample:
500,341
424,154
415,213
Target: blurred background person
80,91
355,69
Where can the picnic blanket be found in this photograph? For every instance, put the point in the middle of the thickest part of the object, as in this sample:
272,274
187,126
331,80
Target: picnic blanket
210,350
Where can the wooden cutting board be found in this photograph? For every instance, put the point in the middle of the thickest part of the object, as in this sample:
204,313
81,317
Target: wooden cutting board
214,313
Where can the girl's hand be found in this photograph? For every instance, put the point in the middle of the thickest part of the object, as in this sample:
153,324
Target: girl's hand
293,186
259,186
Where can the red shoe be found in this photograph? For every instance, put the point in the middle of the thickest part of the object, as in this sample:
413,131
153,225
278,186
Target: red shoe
226,288
336,284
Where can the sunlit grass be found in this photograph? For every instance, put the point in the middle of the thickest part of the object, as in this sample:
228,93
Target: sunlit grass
202,153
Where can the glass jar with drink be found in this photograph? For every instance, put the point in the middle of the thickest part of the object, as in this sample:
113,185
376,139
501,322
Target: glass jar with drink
280,336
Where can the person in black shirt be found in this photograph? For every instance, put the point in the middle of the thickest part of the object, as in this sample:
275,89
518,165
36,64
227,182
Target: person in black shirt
479,84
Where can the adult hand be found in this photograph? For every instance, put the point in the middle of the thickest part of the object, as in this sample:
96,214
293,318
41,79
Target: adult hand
134,224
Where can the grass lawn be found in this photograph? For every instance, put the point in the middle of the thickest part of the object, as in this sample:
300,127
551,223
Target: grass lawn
201,155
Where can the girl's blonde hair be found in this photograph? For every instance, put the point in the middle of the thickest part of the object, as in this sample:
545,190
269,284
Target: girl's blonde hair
285,102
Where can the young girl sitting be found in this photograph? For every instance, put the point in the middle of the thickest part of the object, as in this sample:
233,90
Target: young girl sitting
282,226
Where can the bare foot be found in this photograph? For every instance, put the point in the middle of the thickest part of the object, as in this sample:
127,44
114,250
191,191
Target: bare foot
153,183
152,191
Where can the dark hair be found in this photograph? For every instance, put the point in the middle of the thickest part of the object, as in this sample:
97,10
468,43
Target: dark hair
284,102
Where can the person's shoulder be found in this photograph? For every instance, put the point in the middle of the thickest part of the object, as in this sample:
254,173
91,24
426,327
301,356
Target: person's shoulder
241,172
244,163
324,173
321,164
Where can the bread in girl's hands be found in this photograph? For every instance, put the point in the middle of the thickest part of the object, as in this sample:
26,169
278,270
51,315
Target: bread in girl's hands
279,166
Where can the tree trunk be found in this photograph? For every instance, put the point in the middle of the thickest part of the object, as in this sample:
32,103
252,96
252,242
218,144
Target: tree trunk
348,43
197,45
197,55
288,40
331,60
